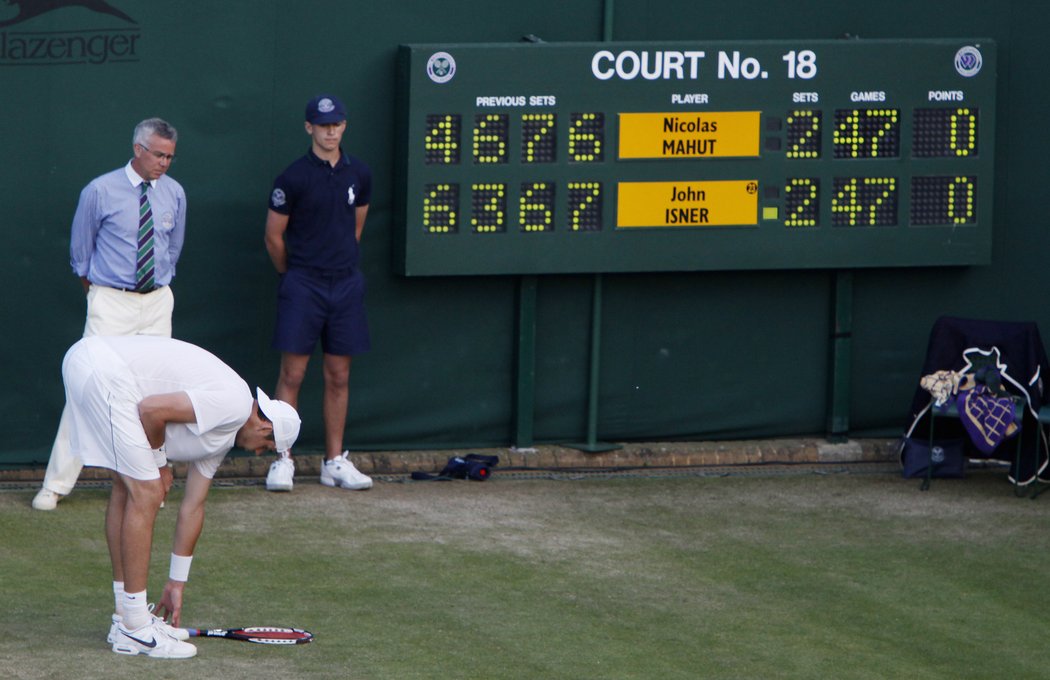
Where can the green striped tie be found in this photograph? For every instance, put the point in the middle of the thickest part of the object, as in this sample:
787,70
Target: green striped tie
144,280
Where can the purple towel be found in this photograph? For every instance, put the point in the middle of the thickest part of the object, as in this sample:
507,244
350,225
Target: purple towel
988,420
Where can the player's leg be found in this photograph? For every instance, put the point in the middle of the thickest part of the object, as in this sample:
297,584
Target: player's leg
118,498
336,399
130,524
300,318
114,522
129,533
291,376
136,532
345,335
139,632
338,470
281,476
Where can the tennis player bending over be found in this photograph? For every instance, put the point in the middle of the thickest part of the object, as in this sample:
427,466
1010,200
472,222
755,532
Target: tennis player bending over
137,402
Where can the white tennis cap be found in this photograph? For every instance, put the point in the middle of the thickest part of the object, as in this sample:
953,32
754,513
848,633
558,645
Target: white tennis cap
284,418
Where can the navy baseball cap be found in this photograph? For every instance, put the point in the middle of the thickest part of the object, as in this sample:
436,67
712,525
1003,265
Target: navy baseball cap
325,109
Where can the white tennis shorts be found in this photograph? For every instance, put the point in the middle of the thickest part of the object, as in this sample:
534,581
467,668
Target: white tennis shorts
103,398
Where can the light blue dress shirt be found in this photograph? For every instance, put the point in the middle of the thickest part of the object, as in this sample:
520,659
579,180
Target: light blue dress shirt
104,238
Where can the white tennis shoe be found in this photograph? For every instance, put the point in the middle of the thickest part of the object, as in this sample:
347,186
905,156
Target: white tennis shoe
280,476
339,471
177,633
153,641
46,499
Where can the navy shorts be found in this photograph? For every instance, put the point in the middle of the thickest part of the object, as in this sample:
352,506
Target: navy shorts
312,306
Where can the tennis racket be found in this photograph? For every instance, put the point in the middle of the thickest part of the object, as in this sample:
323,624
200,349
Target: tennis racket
263,635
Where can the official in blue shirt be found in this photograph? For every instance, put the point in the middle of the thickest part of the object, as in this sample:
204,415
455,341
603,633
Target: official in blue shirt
317,213
104,240
104,236
104,251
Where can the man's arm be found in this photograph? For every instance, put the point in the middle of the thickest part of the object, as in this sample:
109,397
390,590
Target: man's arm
178,235
187,530
276,225
83,232
360,213
158,410
155,412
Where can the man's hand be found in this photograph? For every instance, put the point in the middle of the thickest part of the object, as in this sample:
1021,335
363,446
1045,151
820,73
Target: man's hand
167,477
170,604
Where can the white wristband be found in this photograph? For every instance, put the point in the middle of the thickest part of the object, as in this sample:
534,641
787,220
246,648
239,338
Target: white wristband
180,567
159,457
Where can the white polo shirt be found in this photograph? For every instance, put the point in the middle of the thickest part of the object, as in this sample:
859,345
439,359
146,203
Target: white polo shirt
107,376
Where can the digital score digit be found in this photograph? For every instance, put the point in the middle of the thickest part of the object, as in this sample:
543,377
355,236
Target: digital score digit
803,134
490,138
867,133
585,206
944,200
945,133
610,157
441,144
539,140
488,212
586,137
868,201
440,205
536,208
802,202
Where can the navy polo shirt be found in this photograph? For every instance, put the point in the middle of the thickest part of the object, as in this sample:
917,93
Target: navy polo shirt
321,202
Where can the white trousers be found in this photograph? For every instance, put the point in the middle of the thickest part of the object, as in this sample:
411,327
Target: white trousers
109,312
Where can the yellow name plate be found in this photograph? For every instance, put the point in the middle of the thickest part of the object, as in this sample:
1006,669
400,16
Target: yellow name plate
687,204
717,134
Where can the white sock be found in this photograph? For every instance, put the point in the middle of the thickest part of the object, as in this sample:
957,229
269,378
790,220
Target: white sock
136,614
118,598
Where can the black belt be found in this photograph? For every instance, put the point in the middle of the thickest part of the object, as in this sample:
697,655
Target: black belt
143,291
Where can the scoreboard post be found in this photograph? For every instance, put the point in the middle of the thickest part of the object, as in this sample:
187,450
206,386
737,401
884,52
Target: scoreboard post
548,158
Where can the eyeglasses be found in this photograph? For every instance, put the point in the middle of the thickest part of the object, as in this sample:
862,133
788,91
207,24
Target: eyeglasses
170,157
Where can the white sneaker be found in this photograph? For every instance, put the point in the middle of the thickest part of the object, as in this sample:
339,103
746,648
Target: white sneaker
177,633
46,499
339,471
280,476
152,641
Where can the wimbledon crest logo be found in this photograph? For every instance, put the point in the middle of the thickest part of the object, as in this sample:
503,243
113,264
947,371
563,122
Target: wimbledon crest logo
441,67
968,61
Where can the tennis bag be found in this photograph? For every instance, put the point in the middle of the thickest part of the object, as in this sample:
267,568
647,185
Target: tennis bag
472,466
947,457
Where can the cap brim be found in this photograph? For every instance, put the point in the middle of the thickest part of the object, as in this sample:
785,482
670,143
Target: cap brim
269,409
327,119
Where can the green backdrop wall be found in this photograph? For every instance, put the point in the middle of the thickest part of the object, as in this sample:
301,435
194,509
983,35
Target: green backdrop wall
683,356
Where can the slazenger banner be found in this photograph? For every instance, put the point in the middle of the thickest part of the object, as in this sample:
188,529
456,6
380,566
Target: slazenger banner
23,43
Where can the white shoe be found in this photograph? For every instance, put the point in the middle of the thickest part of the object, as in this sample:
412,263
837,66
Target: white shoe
46,499
280,476
339,471
153,641
177,633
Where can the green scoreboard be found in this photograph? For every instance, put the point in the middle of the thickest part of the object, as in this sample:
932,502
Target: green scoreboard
536,158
